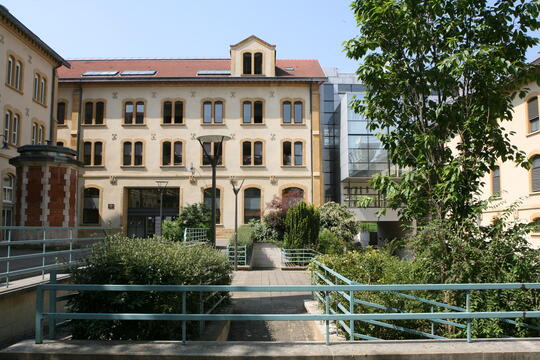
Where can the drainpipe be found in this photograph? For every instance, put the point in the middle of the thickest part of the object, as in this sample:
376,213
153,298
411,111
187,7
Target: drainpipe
311,140
52,125
79,121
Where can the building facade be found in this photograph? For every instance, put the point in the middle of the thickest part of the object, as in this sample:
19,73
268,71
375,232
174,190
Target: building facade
135,122
352,154
27,99
508,183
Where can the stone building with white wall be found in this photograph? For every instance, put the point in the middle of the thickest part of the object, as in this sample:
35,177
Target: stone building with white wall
135,122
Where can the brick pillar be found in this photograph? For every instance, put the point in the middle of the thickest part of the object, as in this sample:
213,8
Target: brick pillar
46,190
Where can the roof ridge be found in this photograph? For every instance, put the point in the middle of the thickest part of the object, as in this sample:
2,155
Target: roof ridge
143,58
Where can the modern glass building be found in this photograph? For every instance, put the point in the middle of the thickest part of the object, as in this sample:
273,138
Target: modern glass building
352,154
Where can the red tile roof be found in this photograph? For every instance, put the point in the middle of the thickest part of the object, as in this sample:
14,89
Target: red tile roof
182,68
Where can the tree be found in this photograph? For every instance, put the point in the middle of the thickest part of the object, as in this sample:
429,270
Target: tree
441,76
339,220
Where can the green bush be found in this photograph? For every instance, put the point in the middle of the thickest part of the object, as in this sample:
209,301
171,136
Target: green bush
274,220
245,235
121,260
340,220
263,232
302,226
330,243
190,216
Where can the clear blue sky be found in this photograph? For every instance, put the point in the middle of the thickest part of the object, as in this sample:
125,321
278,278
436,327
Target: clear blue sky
301,29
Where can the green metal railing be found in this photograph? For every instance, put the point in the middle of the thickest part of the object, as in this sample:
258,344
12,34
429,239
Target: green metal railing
36,240
345,302
297,257
52,315
243,254
196,235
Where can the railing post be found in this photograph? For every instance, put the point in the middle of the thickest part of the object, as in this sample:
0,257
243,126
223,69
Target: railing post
432,324
184,311
39,316
52,305
201,311
43,258
468,309
351,311
327,311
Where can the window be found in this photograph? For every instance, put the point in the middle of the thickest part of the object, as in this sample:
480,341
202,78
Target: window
496,181
536,223
535,174
18,75
208,201
7,125
172,153
94,112
8,187
15,129
252,204
293,115
252,63
61,113
213,112
293,153
91,206
252,153
252,112
212,148
9,73
38,133
40,88
134,112
290,196
93,153
173,112
60,143
132,153
532,107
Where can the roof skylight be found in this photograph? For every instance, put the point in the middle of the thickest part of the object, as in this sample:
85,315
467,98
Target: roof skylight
137,72
214,72
100,73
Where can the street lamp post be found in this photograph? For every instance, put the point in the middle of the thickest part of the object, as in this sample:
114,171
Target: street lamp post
213,159
162,184
236,190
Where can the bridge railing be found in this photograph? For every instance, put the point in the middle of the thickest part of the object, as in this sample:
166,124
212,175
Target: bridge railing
33,250
52,315
243,254
297,257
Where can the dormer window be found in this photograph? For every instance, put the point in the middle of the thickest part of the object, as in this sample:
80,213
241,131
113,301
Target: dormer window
252,63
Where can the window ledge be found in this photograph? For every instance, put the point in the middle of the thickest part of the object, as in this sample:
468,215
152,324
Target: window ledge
94,166
533,133
9,86
173,124
534,193
172,166
94,125
132,166
134,125
252,124
210,166
61,126
293,124
212,124
37,102
535,234
253,166
293,166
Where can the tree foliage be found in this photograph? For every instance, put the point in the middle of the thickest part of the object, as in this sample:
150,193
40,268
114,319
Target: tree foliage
190,216
339,220
441,76
302,224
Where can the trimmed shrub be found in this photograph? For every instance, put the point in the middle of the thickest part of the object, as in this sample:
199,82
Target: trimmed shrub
262,231
245,236
121,260
190,216
339,220
330,243
302,226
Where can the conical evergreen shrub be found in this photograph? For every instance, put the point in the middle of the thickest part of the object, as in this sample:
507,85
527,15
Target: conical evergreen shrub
301,226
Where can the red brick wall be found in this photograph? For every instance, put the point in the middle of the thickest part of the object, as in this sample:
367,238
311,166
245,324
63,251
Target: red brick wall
56,196
33,196
72,197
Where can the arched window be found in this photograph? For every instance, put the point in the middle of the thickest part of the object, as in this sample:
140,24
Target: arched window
287,112
534,121
91,206
298,112
252,153
9,78
7,125
36,87
18,75
172,153
139,115
247,63
15,129
100,112
128,112
88,112
252,204
291,196
61,113
257,59
496,181
535,174
43,91
536,223
208,202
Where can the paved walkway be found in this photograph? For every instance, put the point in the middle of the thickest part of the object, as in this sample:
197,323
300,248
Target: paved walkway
271,303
